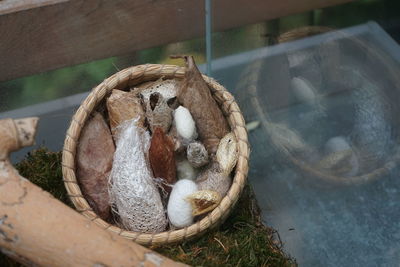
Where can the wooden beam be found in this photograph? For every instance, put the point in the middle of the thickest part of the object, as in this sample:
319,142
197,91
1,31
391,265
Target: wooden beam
11,6
49,36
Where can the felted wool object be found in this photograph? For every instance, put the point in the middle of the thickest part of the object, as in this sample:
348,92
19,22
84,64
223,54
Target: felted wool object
179,209
162,158
132,190
185,170
94,161
195,95
185,125
123,106
217,177
213,179
158,113
197,154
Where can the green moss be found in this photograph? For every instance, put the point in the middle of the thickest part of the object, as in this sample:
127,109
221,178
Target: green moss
241,241
43,168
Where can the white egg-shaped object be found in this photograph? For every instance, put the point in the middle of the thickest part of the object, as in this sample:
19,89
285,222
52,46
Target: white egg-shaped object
185,125
179,209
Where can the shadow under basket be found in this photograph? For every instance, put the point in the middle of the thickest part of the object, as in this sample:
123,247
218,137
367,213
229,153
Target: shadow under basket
134,76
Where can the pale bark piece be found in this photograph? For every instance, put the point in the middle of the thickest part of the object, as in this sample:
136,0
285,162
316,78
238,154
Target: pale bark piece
195,95
123,106
94,161
16,134
162,158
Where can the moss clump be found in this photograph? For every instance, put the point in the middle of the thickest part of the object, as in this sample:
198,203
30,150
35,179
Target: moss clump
242,240
43,168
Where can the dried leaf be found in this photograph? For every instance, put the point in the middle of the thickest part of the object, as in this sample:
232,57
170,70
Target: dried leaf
94,161
195,95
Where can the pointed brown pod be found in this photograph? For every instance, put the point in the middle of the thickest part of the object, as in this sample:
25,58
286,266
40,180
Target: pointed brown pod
195,95
94,161
162,158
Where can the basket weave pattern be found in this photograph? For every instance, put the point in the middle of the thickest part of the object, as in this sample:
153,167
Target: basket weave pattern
134,76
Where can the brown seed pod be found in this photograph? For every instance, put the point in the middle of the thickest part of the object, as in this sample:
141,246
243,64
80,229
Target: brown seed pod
203,201
195,95
123,106
94,161
162,158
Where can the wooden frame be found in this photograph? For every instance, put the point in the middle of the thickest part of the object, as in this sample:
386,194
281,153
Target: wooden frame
41,35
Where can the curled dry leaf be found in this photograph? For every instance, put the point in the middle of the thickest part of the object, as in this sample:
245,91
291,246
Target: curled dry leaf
94,161
195,95
123,106
162,158
203,201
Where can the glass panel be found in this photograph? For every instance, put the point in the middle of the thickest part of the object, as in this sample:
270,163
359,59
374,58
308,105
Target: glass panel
325,154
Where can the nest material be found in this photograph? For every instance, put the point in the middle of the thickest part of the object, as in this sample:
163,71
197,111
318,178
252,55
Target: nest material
134,76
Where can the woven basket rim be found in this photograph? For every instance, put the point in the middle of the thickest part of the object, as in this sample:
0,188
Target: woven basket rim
132,76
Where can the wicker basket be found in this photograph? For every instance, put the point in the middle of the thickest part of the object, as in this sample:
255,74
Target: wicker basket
134,76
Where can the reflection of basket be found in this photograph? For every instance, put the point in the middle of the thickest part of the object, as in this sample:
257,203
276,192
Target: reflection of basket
305,167
302,32
134,76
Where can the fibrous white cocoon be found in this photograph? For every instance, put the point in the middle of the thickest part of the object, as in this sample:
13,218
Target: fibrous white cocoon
179,209
185,125
133,194
185,170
